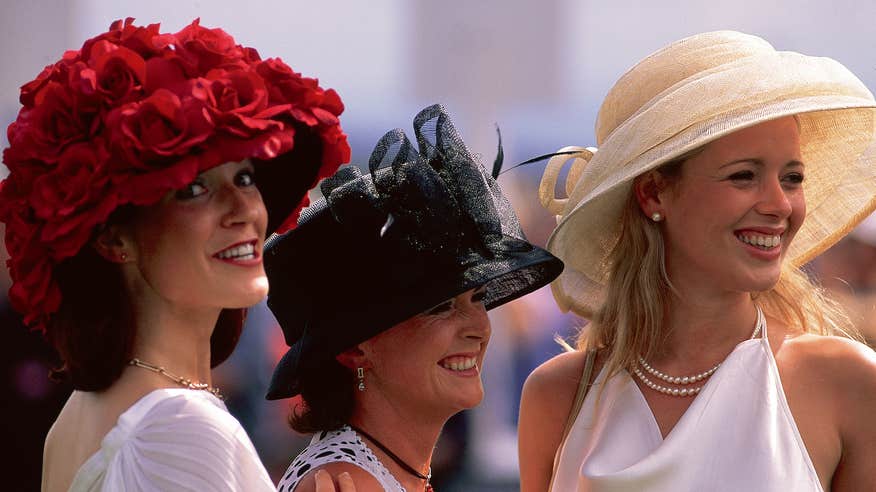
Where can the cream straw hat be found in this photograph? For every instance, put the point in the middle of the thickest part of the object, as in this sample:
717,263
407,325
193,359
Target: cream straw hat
686,95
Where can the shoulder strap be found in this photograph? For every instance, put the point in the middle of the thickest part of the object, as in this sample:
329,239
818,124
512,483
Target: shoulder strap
583,389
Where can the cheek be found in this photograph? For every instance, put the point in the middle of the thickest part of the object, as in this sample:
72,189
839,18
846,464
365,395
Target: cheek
798,210
255,207
688,221
170,247
163,266
261,212
177,243
715,210
414,345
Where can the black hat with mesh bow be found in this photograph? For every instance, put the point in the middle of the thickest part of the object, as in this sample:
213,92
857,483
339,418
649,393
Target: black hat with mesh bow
421,228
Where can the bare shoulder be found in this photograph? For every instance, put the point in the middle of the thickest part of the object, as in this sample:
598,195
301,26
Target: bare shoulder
842,375
545,405
365,481
549,390
558,377
48,461
842,360
64,449
841,370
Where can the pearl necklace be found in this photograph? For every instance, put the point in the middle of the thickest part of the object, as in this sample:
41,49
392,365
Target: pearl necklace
185,382
685,380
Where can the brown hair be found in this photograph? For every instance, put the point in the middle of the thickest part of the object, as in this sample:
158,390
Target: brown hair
93,330
328,398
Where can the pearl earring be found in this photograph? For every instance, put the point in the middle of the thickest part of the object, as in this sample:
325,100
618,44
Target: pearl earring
124,256
656,217
360,374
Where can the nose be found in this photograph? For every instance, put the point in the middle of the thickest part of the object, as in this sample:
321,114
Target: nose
477,323
242,206
774,199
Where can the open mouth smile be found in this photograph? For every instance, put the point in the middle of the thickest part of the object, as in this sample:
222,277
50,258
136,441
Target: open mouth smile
462,365
240,252
766,242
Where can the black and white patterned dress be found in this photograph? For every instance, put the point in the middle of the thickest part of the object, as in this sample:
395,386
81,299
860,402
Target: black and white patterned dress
341,445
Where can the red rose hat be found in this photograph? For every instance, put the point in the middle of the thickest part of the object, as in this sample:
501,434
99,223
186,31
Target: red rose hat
136,113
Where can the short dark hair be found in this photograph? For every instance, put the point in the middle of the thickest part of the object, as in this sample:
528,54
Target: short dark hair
327,391
93,330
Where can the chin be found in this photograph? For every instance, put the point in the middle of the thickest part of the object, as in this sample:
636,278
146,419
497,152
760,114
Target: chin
255,298
761,283
475,403
471,401
258,289
246,299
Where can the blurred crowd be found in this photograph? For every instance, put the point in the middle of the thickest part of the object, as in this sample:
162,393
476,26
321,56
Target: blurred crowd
477,450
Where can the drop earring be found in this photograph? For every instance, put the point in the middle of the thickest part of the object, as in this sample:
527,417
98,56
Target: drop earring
360,374
656,217
124,256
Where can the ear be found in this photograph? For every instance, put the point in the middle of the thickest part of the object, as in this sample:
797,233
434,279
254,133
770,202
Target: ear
113,245
353,358
648,189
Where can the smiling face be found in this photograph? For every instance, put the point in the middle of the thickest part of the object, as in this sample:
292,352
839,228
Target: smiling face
732,214
200,247
433,360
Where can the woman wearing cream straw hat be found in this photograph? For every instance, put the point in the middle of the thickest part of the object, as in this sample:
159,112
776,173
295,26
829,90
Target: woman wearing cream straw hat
711,361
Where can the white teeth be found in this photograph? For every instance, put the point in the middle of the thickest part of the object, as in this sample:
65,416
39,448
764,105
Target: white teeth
764,242
242,252
459,363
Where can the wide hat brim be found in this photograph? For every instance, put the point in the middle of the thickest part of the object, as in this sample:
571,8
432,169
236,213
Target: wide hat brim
507,275
284,181
837,118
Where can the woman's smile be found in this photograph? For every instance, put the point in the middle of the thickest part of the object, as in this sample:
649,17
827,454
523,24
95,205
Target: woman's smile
244,253
762,243
465,365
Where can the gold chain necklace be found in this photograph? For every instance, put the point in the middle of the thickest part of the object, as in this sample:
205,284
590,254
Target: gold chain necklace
185,382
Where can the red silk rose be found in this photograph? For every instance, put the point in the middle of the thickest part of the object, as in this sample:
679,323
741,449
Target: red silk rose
130,116
148,132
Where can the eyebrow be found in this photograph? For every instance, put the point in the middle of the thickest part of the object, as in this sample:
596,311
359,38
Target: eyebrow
448,302
759,162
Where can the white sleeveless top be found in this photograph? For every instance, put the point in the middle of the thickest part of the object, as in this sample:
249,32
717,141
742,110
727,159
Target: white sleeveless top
341,445
737,435
174,439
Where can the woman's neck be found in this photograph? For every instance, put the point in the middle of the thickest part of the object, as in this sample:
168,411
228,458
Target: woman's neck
413,442
702,329
176,339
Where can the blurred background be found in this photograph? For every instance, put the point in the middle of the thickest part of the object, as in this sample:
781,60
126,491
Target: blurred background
538,69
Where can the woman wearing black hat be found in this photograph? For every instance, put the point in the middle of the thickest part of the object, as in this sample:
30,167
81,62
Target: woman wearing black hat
135,229
418,250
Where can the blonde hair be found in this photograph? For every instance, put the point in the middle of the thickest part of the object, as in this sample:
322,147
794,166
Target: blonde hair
631,320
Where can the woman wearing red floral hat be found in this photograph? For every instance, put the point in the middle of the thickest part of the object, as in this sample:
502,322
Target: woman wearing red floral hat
145,170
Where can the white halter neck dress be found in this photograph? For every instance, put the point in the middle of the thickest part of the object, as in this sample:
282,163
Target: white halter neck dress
737,435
